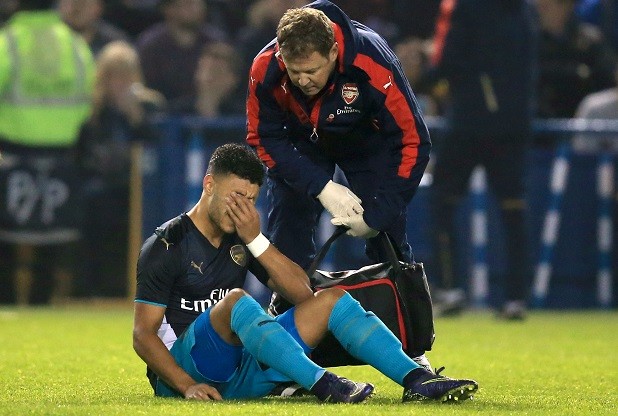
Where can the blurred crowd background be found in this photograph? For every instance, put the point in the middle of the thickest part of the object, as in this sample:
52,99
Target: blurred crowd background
162,58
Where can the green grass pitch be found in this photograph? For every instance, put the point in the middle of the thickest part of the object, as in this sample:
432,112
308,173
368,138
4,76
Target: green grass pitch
78,360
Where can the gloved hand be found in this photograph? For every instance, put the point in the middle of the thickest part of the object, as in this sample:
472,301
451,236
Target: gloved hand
357,226
339,200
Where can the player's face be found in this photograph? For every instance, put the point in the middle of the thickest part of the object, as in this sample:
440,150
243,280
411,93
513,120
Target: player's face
310,73
223,186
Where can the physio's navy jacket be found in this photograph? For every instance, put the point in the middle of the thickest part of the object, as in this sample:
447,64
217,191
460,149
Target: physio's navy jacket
367,118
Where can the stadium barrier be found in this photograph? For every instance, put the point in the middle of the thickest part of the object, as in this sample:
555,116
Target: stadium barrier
570,223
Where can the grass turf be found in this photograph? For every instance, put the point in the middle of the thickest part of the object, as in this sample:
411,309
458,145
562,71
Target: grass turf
79,361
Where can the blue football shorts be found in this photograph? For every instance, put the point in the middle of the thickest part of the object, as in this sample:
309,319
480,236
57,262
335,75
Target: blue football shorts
231,369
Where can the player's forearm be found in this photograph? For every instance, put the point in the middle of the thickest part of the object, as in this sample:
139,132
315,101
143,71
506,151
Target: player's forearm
153,352
286,277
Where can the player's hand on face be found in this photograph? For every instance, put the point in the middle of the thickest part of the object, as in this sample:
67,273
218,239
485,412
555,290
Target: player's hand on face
244,215
202,392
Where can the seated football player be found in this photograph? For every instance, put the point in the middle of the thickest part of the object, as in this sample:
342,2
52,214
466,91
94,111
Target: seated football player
203,337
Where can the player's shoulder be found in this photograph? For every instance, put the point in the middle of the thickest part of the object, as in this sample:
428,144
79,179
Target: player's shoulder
173,230
165,239
163,246
371,48
267,68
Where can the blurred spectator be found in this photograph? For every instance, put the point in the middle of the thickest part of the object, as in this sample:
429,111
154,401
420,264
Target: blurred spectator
376,14
121,116
598,105
485,49
415,17
7,8
46,73
216,81
217,93
132,16
229,15
603,105
262,19
604,15
85,17
170,50
413,53
574,60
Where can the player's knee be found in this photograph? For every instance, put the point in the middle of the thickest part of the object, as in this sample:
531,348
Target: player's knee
329,297
226,305
222,311
234,295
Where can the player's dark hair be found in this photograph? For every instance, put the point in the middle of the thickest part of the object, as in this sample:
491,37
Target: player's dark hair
233,158
303,31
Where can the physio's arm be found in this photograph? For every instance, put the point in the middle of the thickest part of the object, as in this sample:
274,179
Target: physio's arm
151,349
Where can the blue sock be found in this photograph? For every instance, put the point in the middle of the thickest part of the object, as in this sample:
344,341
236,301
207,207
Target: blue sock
366,338
271,344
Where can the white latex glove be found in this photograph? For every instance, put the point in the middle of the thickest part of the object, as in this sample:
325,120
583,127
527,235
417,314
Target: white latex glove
339,200
357,226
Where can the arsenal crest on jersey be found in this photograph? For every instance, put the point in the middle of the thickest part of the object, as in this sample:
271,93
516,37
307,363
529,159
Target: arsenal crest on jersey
349,93
238,254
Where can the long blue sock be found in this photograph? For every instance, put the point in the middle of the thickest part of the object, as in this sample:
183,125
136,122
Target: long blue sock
272,345
366,338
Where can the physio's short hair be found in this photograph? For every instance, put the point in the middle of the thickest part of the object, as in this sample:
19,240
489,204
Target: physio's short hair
233,158
303,31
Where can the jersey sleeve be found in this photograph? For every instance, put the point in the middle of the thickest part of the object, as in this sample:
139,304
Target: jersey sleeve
157,269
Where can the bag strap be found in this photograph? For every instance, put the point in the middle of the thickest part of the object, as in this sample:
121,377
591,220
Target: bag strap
392,254
322,252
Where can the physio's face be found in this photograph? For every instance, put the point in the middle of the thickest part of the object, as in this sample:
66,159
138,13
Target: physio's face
310,72
218,188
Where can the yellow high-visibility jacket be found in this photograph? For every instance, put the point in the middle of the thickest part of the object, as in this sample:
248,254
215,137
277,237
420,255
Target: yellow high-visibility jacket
46,80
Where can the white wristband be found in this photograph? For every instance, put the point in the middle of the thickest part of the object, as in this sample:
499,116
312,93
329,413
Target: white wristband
258,245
